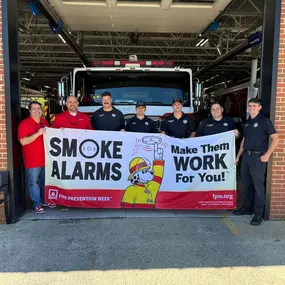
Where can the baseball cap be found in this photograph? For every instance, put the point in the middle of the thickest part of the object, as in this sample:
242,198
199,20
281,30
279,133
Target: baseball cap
140,103
177,100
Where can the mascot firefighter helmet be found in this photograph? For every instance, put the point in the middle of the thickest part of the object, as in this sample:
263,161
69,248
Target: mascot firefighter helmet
136,164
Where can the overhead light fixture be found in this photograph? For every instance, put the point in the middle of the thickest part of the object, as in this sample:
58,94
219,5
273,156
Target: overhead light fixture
60,36
84,65
199,43
219,51
46,86
26,79
205,41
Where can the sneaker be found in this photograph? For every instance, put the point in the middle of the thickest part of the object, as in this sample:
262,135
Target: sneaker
242,211
64,208
50,205
40,210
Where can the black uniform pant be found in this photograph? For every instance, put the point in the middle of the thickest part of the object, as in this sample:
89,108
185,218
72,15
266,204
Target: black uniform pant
253,176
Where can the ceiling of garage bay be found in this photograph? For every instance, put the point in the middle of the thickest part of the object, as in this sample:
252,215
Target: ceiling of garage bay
153,29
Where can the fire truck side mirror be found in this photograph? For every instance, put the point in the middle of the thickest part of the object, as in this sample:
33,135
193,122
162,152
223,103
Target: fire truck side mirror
198,90
61,92
60,88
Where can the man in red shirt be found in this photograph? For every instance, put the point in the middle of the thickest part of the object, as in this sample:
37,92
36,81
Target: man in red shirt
73,119
30,135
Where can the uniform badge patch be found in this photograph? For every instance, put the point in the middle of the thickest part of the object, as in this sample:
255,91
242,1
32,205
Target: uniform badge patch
209,125
113,115
170,121
255,125
147,123
225,124
185,121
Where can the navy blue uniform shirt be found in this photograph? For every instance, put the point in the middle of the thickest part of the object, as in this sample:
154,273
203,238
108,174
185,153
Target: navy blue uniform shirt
146,125
210,126
257,132
178,128
108,120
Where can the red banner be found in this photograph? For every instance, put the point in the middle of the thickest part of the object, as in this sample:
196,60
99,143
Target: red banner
225,199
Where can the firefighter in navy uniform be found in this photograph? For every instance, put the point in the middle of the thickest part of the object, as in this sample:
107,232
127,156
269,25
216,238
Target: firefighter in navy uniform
255,153
108,118
178,125
140,123
217,123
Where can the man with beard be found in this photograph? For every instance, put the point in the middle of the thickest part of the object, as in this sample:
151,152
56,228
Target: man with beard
108,118
140,123
72,118
178,125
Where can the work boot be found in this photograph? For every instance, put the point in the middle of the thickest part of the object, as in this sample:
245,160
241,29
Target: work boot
257,220
242,211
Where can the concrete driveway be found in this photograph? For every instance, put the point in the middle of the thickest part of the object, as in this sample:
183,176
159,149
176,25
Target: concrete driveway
153,250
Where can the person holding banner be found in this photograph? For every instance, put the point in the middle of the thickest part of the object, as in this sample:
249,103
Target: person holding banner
108,118
178,124
140,123
255,154
30,135
217,123
72,118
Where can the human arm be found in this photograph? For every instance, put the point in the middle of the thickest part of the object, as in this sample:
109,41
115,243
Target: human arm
233,127
29,139
122,123
153,127
93,121
163,127
239,152
191,128
88,124
273,144
200,132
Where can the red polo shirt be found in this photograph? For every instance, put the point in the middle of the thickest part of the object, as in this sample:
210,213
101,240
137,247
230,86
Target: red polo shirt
66,120
33,153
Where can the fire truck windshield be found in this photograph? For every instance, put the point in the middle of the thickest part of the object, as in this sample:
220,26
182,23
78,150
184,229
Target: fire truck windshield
129,87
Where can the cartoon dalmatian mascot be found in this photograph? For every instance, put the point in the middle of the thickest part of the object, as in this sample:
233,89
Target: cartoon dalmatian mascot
145,181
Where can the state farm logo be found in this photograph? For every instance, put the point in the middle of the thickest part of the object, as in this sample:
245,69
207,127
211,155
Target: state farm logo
52,194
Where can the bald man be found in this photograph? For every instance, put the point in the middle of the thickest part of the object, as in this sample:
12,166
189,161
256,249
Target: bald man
72,118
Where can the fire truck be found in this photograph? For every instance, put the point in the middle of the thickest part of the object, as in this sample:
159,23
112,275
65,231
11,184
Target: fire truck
49,102
156,83
234,99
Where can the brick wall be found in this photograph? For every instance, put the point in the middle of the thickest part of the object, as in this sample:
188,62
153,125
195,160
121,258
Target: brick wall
277,203
3,149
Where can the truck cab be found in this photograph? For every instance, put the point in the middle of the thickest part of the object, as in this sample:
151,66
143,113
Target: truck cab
155,83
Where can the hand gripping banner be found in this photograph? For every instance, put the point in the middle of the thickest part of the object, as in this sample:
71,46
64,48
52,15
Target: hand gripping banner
98,169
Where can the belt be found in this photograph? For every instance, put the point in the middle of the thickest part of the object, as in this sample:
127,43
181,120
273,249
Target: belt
249,152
